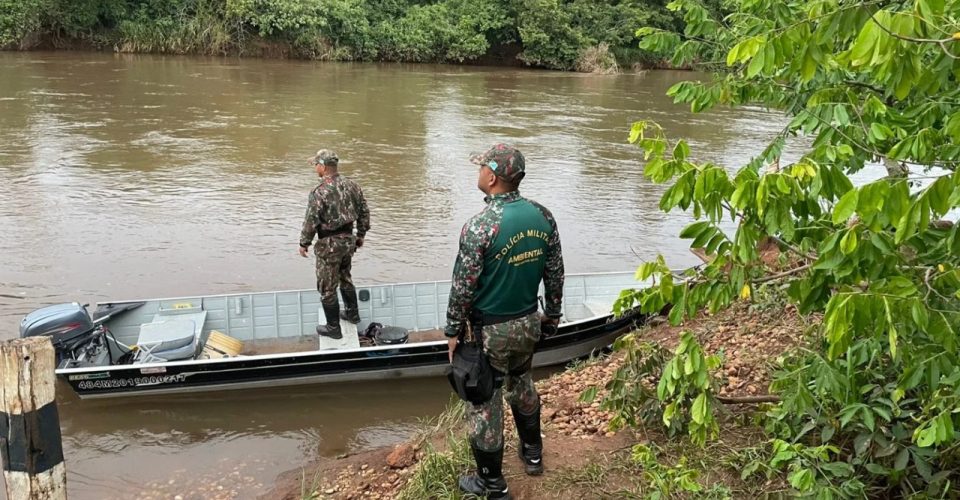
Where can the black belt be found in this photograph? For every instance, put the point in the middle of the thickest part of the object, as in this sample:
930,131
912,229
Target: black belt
344,229
494,319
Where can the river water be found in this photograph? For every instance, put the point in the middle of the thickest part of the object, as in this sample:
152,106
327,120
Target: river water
128,177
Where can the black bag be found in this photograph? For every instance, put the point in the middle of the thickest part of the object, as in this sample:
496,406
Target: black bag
472,377
371,331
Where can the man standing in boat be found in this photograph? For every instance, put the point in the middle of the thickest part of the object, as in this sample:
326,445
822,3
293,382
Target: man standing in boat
505,252
333,208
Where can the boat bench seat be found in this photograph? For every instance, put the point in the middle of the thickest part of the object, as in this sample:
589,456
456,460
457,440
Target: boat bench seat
585,310
599,308
173,335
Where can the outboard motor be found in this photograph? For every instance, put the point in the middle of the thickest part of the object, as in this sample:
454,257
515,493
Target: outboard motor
68,325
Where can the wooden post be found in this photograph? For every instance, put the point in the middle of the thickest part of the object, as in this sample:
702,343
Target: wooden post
29,424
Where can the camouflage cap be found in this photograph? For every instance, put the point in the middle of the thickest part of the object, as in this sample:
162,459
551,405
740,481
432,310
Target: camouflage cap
326,157
505,160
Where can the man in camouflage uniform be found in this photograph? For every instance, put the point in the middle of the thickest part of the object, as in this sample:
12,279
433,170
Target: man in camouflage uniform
333,207
505,252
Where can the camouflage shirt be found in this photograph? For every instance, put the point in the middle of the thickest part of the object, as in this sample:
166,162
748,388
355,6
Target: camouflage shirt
334,203
502,272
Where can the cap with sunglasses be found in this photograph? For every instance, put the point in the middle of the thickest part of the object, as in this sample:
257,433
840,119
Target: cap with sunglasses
325,157
505,160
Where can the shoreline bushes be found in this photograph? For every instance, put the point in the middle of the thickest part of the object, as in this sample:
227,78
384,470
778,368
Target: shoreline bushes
552,34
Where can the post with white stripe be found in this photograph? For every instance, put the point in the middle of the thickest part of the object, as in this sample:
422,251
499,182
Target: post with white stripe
29,423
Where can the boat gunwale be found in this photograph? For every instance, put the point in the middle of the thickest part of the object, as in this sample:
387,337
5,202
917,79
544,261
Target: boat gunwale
301,290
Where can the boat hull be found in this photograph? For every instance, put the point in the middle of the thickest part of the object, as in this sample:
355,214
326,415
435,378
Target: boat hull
426,359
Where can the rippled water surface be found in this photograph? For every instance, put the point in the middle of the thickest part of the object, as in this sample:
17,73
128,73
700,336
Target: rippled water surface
140,176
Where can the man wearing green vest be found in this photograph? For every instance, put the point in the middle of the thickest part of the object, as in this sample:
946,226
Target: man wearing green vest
505,252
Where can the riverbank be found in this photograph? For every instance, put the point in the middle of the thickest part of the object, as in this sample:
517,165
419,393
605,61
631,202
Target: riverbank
575,34
583,456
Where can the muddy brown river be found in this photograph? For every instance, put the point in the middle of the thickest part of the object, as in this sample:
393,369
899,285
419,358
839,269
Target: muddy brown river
127,177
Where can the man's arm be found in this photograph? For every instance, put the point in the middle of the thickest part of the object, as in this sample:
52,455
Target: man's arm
466,272
553,272
363,214
310,221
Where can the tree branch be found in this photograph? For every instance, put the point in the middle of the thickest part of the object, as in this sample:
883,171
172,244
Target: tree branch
794,249
941,41
736,400
784,274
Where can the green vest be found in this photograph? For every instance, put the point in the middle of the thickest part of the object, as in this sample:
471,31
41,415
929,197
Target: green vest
513,263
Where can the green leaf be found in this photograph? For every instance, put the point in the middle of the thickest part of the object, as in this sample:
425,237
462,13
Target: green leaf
809,68
880,241
926,436
668,413
802,480
681,151
841,116
891,329
907,226
868,419
903,457
877,469
880,132
863,47
756,64
849,242
698,412
694,230
589,395
636,131
845,207
939,194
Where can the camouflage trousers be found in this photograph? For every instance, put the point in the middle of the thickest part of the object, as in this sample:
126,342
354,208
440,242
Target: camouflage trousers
509,346
334,259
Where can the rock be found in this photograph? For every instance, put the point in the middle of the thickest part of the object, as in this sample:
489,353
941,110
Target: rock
401,456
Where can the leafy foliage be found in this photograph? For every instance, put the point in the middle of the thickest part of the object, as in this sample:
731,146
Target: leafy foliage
548,33
683,399
862,83
687,390
665,481
810,469
18,19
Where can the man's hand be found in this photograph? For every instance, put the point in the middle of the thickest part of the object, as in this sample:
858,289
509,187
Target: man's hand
548,325
451,346
303,251
359,242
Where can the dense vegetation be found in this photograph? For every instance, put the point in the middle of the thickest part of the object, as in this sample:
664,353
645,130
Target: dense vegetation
872,407
545,33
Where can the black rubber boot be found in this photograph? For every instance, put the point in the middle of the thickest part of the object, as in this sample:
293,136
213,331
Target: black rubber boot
332,328
531,444
351,311
488,481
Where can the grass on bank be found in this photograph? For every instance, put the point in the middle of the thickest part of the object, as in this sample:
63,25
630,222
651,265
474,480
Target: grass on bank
436,474
665,468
